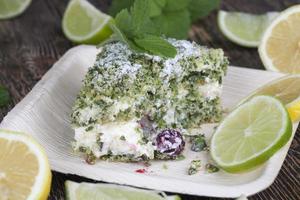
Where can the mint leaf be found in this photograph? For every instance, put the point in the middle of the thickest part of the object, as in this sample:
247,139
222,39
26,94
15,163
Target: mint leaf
176,5
137,22
123,21
140,12
118,5
201,8
4,96
156,45
156,7
160,3
173,24
120,36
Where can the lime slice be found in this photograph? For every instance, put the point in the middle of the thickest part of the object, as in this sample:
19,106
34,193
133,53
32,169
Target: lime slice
243,28
251,134
279,49
286,89
81,191
12,8
83,23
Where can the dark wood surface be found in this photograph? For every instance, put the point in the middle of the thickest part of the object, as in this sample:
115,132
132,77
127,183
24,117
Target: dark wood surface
32,42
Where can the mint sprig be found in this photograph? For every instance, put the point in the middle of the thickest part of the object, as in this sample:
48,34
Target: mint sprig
136,29
172,18
4,96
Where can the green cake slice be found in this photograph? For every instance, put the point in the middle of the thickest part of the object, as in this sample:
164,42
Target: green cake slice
128,98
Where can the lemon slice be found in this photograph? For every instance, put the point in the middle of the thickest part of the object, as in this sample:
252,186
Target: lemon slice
85,24
280,45
251,134
24,168
91,191
287,90
243,28
12,8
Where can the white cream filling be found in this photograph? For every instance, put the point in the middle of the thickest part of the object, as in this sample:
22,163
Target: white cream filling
111,134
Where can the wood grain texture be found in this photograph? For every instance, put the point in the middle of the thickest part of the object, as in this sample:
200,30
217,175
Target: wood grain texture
32,42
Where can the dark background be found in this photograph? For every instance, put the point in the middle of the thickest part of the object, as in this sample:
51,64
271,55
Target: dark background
32,42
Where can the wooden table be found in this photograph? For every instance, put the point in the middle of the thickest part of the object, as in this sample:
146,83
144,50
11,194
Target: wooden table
31,43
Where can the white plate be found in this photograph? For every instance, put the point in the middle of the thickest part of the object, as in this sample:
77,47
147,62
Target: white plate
44,113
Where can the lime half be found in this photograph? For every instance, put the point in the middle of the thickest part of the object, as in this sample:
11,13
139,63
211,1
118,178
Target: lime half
286,89
251,134
12,8
243,28
90,191
83,23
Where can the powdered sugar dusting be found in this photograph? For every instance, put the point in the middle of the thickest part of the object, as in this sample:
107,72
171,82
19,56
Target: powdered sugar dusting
117,55
185,50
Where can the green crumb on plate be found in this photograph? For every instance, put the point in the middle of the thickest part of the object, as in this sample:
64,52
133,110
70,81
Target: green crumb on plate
210,168
198,143
194,167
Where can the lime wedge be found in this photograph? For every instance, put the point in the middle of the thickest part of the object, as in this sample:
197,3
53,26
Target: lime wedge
243,28
83,23
286,89
251,134
82,191
12,8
